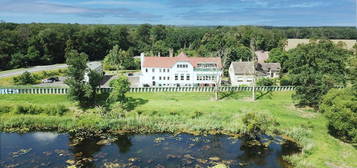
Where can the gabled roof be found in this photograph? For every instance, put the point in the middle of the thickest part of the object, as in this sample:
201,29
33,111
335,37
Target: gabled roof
243,68
266,67
247,68
168,62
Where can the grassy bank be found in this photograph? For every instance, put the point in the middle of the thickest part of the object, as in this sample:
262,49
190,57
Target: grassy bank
193,112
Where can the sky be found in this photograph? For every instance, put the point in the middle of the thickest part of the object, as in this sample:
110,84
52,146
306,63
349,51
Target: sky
183,12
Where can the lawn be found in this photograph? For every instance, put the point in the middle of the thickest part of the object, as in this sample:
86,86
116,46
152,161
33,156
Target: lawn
198,113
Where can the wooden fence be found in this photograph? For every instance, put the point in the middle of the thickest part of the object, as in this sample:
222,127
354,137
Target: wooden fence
146,89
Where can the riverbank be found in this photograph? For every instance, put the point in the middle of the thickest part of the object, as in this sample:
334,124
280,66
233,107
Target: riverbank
192,113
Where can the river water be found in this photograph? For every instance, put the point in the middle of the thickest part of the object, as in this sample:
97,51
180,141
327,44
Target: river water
47,149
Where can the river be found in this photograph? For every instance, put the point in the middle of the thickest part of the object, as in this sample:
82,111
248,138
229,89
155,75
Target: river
47,149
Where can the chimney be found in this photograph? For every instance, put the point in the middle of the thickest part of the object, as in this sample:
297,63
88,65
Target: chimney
171,52
142,55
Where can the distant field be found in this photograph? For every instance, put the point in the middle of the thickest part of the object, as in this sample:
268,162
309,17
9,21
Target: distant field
198,113
293,43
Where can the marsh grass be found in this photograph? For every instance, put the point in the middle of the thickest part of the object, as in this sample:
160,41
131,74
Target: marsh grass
195,113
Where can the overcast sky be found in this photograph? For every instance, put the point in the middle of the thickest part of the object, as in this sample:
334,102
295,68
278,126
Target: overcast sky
183,12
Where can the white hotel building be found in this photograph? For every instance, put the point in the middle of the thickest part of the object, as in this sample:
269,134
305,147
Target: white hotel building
180,71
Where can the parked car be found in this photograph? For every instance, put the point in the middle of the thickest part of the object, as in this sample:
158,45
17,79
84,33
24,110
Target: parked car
50,80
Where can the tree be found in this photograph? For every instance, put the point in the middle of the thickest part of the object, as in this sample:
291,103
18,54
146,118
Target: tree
236,54
118,58
117,99
340,108
353,73
94,81
19,60
79,90
314,69
25,78
278,55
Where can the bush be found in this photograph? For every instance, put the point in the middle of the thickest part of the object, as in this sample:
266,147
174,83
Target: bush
5,109
266,82
257,124
340,108
33,109
285,81
25,78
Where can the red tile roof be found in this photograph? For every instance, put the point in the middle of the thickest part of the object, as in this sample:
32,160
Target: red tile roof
168,62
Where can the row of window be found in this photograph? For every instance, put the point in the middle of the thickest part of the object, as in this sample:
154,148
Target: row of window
175,85
248,80
182,66
161,78
206,77
212,65
160,70
187,77
182,77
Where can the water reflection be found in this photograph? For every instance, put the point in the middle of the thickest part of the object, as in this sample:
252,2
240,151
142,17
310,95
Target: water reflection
45,136
183,150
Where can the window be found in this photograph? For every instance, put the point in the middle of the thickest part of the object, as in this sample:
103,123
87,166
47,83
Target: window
182,77
182,66
168,70
160,78
160,69
176,76
249,80
168,78
153,70
240,80
164,70
164,78
146,70
153,77
188,77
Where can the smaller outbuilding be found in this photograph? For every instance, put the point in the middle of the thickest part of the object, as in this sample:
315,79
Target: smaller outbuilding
243,73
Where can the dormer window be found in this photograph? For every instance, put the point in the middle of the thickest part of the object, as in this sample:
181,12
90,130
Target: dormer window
182,66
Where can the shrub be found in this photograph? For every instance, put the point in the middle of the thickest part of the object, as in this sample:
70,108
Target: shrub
27,109
25,78
340,108
265,82
33,109
257,124
5,109
56,110
285,81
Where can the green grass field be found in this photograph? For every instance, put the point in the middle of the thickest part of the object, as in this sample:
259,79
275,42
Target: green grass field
198,113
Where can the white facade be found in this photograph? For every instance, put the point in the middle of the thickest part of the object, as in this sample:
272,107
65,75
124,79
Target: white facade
180,74
240,79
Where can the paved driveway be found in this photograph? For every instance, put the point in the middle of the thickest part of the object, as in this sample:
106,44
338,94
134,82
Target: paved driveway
32,69
15,72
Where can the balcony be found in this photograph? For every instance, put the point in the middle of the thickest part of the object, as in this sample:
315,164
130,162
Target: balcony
206,69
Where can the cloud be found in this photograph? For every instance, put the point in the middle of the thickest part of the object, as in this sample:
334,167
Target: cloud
46,7
125,3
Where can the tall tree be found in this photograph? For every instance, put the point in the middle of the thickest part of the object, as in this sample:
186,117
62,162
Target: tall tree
79,90
119,58
315,68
